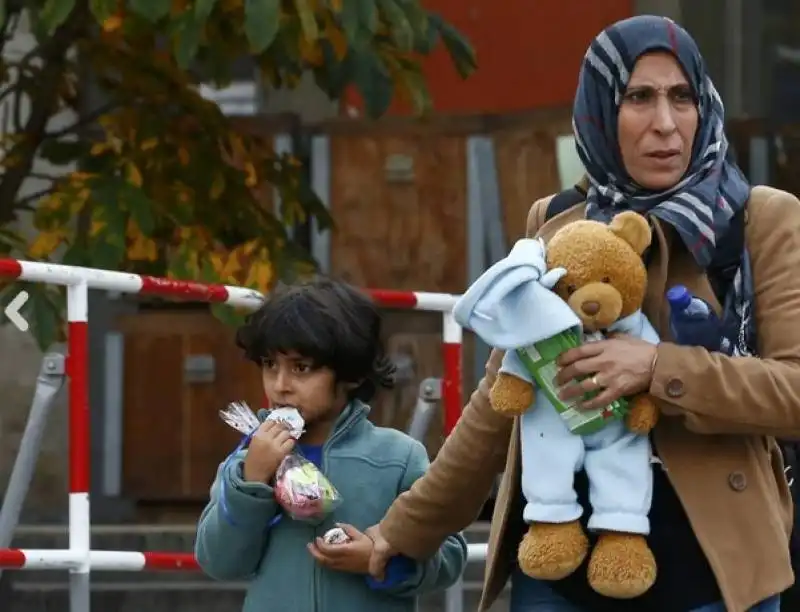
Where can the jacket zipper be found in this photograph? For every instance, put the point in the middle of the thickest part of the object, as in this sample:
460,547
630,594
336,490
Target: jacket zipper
323,463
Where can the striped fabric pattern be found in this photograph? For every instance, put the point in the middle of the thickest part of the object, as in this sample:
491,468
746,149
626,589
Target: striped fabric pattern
700,207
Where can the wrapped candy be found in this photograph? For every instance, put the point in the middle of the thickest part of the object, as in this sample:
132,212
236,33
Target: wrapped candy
301,489
337,535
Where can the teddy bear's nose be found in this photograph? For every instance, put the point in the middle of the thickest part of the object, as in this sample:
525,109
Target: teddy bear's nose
590,308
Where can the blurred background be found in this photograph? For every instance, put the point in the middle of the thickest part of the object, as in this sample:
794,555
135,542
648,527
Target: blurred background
199,143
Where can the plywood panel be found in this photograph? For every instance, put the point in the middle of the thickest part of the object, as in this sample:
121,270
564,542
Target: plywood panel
173,438
527,166
399,235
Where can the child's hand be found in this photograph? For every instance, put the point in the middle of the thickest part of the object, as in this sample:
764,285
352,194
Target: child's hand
352,556
268,447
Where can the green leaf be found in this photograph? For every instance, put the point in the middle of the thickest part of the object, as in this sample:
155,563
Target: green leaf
141,209
152,10
308,21
102,9
228,315
203,8
187,40
368,15
417,20
261,23
349,19
54,13
60,152
460,50
374,83
400,29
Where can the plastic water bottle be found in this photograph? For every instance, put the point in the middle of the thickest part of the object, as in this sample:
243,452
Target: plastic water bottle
694,323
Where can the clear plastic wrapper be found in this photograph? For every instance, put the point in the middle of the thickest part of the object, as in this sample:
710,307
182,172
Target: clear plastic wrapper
301,489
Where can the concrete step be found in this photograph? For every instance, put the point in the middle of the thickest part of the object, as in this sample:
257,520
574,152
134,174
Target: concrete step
177,597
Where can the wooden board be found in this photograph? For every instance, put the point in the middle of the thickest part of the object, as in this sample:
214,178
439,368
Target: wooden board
527,166
405,234
173,438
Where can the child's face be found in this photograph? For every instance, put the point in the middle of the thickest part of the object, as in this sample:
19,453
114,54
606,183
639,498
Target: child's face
291,380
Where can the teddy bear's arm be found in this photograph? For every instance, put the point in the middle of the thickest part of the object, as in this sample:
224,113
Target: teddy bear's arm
642,414
513,390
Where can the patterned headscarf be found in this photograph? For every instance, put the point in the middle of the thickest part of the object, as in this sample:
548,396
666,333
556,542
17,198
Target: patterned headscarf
701,205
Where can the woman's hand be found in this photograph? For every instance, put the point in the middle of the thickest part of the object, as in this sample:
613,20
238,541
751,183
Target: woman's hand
352,556
617,367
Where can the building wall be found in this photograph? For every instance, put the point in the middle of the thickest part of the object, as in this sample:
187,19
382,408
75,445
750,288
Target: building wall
528,53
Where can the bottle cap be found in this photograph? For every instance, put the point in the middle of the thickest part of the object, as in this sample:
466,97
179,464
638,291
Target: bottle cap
679,297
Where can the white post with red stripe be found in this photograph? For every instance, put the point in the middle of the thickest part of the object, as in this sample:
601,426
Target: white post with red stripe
79,443
79,559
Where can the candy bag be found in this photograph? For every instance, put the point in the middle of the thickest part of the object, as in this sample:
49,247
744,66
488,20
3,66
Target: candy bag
301,489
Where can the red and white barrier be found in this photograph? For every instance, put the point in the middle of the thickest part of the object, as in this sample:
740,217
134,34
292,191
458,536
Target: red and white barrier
79,558
31,559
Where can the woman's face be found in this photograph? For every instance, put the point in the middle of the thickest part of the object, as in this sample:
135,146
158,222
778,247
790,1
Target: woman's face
657,122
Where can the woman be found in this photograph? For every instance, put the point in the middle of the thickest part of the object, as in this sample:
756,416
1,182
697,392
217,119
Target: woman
649,129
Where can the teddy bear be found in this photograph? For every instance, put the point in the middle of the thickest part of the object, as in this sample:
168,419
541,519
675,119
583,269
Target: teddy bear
589,280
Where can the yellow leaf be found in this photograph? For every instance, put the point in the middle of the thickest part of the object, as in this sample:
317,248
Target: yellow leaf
143,249
217,186
232,267
310,52
99,148
251,179
260,273
183,156
308,21
217,263
149,144
97,227
134,175
113,23
336,37
45,244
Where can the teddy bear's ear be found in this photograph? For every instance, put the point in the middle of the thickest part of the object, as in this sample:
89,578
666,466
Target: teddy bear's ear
633,229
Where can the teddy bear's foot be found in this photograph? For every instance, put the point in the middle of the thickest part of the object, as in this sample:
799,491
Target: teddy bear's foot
511,396
642,414
552,551
621,566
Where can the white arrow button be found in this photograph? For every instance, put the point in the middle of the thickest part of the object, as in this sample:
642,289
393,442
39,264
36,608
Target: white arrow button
13,308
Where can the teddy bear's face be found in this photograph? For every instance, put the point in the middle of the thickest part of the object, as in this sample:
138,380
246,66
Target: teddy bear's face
606,278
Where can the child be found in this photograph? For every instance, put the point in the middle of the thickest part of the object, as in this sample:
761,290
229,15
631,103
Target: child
319,349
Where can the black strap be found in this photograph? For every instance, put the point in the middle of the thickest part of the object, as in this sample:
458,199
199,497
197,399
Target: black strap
563,201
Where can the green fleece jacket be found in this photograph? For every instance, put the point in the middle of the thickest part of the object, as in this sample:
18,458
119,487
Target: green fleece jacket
370,466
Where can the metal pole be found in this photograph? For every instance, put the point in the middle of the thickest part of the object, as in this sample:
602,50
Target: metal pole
454,597
48,383
79,446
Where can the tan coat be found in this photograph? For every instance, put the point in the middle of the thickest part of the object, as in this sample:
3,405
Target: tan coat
715,439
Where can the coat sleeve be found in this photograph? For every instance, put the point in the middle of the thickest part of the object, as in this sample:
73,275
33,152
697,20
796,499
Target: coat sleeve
747,395
234,527
449,497
445,567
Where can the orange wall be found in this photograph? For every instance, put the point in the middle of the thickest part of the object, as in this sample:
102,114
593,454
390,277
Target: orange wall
528,52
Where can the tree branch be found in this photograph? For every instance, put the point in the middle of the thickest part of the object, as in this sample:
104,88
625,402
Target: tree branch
53,52
85,120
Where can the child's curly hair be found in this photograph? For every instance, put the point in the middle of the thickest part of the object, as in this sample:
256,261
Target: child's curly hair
327,321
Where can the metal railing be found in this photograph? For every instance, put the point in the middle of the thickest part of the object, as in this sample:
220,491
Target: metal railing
79,559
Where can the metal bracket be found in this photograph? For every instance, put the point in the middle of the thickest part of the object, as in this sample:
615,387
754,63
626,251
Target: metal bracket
48,384
430,393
